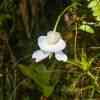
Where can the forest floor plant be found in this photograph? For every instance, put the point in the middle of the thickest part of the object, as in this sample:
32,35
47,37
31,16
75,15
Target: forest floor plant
47,77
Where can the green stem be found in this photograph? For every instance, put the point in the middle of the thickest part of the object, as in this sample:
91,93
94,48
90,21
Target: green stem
14,91
75,45
61,14
93,77
73,63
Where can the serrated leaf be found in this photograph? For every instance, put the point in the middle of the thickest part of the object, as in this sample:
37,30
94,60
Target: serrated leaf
87,28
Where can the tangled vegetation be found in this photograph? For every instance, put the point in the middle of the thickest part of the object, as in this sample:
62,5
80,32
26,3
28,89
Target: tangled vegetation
78,23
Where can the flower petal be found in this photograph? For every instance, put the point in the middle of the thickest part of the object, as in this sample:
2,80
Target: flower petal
45,46
61,56
39,55
53,37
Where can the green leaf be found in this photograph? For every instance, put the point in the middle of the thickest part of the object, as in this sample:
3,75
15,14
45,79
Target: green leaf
92,4
87,28
26,98
95,7
4,17
96,10
47,91
86,62
98,18
40,75
36,72
26,70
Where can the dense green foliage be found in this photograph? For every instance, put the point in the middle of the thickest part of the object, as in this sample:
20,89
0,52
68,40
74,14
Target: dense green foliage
22,22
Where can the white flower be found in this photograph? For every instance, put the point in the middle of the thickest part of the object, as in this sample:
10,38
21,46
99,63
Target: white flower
52,43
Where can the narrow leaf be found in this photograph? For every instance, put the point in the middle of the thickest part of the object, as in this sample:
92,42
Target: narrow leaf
87,28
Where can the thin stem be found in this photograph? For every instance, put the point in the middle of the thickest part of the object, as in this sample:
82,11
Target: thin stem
93,47
75,43
61,14
85,88
73,63
93,77
14,91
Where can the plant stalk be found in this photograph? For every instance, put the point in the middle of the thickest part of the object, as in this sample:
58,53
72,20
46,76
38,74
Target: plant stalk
61,14
94,78
75,45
